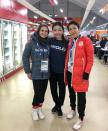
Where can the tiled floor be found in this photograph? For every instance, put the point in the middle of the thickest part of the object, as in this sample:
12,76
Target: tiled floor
16,97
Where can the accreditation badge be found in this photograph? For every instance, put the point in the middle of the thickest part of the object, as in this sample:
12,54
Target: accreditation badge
81,43
44,65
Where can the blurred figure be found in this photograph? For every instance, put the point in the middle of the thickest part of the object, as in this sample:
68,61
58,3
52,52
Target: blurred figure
102,44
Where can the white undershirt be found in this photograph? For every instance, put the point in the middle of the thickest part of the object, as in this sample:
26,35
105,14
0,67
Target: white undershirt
71,56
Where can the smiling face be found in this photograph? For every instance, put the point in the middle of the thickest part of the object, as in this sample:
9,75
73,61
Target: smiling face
43,32
57,32
73,30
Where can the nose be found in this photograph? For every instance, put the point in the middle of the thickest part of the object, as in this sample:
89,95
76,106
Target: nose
44,32
57,32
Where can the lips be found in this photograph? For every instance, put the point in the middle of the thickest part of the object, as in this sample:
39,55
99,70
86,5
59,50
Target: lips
73,33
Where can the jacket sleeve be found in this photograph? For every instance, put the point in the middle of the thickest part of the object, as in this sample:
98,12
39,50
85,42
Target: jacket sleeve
26,57
89,50
66,65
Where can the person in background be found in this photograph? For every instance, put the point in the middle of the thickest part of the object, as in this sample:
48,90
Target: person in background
106,52
38,50
78,64
58,46
102,44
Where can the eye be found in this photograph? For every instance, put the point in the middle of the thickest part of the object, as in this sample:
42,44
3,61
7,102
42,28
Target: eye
72,28
44,30
54,30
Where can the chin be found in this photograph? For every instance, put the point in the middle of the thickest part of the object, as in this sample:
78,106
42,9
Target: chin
74,36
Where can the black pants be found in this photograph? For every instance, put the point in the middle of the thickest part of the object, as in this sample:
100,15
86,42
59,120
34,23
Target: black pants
58,89
39,87
100,53
81,98
105,57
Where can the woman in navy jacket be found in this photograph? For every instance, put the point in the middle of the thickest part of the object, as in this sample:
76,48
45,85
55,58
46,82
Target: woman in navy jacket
58,46
38,50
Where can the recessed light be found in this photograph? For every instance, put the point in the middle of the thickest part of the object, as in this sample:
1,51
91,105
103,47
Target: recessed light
61,10
56,2
35,17
65,18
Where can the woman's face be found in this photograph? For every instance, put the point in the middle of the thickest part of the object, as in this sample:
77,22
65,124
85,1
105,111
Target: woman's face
43,32
73,31
57,32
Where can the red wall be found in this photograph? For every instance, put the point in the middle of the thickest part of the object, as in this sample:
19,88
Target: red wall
11,10
77,19
10,74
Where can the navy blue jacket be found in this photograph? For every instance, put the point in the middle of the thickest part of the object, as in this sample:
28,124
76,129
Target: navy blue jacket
57,55
37,52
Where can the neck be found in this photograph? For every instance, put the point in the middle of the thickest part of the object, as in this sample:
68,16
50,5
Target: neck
75,38
59,38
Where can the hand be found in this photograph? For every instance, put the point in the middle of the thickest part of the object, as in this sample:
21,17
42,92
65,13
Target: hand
29,76
86,76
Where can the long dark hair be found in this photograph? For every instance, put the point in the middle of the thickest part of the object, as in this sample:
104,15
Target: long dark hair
41,40
60,24
40,26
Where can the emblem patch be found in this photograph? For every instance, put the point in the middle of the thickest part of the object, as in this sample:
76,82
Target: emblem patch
81,43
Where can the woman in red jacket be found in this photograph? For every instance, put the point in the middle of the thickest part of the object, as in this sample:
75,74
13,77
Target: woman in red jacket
78,64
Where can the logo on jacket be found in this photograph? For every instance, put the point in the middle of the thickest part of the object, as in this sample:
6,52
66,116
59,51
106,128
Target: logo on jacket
81,43
58,48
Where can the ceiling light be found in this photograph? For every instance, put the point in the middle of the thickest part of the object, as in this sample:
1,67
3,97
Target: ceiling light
87,25
91,22
53,2
65,18
5,3
35,17
37,23
50,15
61,10
56,15
30,22
94,18
44,21
101,11
56,2
23,11
104,9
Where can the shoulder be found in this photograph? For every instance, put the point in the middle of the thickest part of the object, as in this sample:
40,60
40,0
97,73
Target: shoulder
85,38
29,43
51,41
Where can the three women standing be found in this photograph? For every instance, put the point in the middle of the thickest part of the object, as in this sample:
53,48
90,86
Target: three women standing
70,64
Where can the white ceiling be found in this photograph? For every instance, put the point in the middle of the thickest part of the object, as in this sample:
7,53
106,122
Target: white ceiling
72,8
82,3
33,1
97,6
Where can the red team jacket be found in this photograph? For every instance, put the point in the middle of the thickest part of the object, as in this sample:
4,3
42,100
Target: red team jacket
83,61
